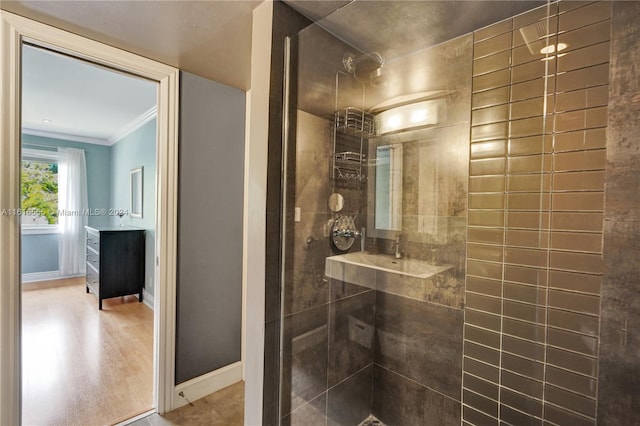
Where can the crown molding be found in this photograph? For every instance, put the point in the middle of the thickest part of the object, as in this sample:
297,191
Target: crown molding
64,136
134,125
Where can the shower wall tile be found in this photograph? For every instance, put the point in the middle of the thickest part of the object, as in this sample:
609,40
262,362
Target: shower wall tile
583,16
524,404
491,97
493,30
492,45
421,341
351,335
312,413
493,62
349,402
583,78
586,36
420,405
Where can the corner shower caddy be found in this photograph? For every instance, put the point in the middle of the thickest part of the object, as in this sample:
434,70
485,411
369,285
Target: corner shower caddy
350,165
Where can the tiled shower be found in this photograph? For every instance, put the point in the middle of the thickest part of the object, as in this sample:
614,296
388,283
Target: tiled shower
527,185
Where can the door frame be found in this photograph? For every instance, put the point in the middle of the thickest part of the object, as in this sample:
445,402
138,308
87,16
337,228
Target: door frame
14,30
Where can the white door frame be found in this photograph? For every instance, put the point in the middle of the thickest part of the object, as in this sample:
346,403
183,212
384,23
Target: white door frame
14,30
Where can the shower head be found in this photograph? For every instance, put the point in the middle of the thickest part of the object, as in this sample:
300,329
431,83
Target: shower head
369,65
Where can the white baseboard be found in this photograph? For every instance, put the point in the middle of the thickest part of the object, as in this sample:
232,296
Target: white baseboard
40,276
147,299
206,384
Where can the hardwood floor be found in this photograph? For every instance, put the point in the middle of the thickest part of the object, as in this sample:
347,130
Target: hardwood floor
82,366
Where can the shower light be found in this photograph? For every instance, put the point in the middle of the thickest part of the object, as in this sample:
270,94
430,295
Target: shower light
408,116
551,48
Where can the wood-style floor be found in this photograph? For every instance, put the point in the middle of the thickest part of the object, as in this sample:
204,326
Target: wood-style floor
82,366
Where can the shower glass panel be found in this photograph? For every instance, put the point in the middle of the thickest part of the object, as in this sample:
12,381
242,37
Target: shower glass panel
425,298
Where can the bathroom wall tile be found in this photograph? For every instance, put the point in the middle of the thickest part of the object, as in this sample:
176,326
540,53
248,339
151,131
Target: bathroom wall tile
585,57
587,324
486,201
572,361
525,238
535,31
583,344
490,115
586,36
530,164
583,16
482,319
489,131
481,353
419,404
531,107
483,303
484,337
483,286
521,384
480,369
311,414
583,98
523,348
480,403
476,417
581,139
421,341
583,78
526,54
489,166
525,293
532,71
575,382
525,275
524,330
577,241
533,88
492,45
577,221
484,269
349,402
305,342
523,403
575,281
523,311
531,145
578,201
523,366
510,416
578,181
528,220
487,184
529,183
526,127
491,80
494,62
484,252
529,201
489,149
563,417
568,5
596,117
491,97
351,335
525,257
492,30
533,16
480,386
570,400
341,289
581,119
579,262
486,218
485,235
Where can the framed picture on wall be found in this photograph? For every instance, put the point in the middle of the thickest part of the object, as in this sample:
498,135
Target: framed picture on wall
135,208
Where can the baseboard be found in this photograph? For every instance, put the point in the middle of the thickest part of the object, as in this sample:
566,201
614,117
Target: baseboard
147,299
206,384
41,276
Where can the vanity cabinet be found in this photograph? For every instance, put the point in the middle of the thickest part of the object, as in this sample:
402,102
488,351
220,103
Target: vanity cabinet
115,261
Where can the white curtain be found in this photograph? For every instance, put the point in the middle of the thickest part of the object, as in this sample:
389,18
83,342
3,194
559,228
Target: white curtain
72,204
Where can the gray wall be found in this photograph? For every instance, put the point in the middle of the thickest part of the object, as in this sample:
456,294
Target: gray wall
134,150
40,251
211,185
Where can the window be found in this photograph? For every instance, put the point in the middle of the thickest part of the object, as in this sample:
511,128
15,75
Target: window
39,189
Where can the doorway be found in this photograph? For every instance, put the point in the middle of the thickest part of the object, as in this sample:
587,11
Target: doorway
85,130
17,30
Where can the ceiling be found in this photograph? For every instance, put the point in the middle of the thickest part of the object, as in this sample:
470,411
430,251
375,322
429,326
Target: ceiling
208,38
74,99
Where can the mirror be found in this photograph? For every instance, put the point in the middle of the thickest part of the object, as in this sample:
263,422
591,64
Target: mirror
388,187
135,209
336,202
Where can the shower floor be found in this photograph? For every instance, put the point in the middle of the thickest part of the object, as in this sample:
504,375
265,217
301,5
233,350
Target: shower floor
371,421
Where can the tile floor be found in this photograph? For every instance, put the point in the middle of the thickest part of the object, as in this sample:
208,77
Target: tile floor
222,408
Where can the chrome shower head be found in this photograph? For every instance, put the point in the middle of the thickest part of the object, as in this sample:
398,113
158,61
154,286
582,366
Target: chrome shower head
369,65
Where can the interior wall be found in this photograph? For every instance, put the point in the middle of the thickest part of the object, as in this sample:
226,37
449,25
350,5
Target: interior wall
210,233
40,251
134,150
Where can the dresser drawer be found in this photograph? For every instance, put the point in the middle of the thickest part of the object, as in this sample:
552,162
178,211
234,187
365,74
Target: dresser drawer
93,281
93,242
93,259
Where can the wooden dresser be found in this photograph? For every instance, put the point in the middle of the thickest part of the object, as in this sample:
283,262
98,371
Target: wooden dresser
115,261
